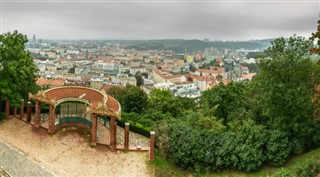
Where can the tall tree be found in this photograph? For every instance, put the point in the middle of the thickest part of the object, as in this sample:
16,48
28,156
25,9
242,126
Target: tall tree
17,69
139,79
131,98
285,86
316,50
227,98
316,36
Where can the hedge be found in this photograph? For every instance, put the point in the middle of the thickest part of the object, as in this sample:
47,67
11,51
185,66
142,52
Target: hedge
136,127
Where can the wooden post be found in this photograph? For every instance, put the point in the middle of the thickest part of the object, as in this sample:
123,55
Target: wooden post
126,136
151,150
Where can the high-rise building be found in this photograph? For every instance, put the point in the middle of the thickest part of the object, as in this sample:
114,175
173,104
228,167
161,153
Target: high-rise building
34,40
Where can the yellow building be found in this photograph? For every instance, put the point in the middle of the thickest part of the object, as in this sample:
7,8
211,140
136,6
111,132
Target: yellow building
180,62
161,76
189,58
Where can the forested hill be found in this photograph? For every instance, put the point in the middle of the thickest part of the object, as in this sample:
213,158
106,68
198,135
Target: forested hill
179,45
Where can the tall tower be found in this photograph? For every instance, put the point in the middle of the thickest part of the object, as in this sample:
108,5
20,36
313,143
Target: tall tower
34,40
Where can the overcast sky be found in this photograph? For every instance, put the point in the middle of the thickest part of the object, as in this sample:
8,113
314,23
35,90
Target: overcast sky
157,19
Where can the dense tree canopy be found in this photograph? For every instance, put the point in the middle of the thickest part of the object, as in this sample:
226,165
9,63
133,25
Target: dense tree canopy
316,36
228,98
239,125
285,85
131,98
17,69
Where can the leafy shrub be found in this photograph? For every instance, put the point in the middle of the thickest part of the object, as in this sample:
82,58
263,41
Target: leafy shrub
182,141
277,147
249,146
136,127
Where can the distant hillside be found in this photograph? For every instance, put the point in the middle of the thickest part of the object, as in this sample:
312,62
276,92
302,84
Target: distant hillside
179,45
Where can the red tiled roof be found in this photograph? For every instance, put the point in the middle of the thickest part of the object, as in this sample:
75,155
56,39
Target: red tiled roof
92,95
201,78
210,71
163,75
51,82
107,87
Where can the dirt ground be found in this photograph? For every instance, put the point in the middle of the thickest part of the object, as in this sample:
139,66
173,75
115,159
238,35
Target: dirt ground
67,153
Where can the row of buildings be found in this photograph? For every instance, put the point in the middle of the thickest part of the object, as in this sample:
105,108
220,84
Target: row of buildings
184,75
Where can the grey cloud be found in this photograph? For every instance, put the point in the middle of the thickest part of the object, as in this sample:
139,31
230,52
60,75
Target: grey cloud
138,20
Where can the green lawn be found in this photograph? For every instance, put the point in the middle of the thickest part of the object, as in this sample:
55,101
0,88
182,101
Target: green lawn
164,168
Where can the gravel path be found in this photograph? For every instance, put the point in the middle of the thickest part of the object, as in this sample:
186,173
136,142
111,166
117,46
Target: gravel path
66,153
16,164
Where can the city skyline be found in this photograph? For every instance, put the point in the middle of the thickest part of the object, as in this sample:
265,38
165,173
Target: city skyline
130,19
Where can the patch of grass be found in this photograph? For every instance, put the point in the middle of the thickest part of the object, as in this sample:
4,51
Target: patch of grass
164,168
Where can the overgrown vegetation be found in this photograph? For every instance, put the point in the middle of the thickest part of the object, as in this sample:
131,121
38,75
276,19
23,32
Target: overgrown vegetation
238,126
304,165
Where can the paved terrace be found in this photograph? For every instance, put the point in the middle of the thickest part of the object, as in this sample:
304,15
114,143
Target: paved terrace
15,163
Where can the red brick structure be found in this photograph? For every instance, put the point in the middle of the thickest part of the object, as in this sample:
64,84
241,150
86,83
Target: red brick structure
97,103
152,140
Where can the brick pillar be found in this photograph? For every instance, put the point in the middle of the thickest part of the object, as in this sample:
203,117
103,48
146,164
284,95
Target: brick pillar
22,109
7,109
37,115
126,136
29,109
15,111
94,130
112,132
151,150
51,118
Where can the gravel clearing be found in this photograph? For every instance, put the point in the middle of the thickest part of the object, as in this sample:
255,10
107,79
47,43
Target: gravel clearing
17,164
67,153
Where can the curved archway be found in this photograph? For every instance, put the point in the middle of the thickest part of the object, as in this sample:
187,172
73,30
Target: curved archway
96,103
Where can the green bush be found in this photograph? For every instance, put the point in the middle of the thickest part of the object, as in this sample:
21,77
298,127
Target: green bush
249,147
136,127
182,141
2,116
277,147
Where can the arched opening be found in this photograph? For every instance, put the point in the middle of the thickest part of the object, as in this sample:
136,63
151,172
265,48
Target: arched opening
72,109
